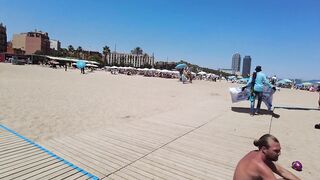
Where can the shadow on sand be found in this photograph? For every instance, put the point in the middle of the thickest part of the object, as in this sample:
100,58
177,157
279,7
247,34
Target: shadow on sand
247,110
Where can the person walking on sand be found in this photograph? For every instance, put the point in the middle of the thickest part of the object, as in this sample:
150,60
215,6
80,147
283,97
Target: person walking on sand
252,93
259,164
273,80
259,82
318,89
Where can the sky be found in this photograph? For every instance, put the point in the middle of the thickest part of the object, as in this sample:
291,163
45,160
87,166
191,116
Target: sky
283,36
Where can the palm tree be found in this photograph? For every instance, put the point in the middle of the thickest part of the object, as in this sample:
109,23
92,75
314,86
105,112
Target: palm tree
106,52
79,51
70,50
137,51
63,52
145,57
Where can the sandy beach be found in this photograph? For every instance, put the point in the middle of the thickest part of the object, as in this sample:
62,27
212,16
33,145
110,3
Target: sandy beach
135,127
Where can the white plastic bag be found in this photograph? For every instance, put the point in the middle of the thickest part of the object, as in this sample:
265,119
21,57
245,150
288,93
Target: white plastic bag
237,95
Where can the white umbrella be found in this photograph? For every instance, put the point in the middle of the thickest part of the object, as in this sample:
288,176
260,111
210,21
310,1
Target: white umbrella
175,72
165,71
202,73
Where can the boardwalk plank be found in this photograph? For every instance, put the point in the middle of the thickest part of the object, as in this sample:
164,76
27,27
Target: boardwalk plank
54,173
55,168
78,160
30,168
25,160
33,174
19,156
96,154
25,165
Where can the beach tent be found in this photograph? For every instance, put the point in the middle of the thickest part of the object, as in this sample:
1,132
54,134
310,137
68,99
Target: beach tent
71,60
91,65
61,59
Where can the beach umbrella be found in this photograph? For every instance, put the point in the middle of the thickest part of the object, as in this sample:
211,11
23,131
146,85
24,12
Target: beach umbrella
175,72
181,66
164,71
214,75
245,80
81,64
307,83
284,81
202,73
231,77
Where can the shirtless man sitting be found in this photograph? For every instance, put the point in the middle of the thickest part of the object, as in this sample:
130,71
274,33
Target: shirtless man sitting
259,164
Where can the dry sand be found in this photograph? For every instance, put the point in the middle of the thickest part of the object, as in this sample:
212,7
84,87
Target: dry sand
47,104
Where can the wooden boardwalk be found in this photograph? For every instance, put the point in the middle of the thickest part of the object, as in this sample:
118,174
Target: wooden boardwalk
146,149
21,158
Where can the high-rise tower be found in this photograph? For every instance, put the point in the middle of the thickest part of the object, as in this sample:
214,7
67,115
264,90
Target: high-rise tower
3,38
246,67
236,62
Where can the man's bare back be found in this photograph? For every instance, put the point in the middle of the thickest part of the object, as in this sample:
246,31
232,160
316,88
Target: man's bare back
259,164
250,167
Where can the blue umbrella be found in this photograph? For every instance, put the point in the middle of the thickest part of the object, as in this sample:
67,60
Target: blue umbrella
81,64
181,66
284,81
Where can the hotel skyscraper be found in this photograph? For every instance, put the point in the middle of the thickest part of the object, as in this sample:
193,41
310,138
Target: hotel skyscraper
246,67
236,63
